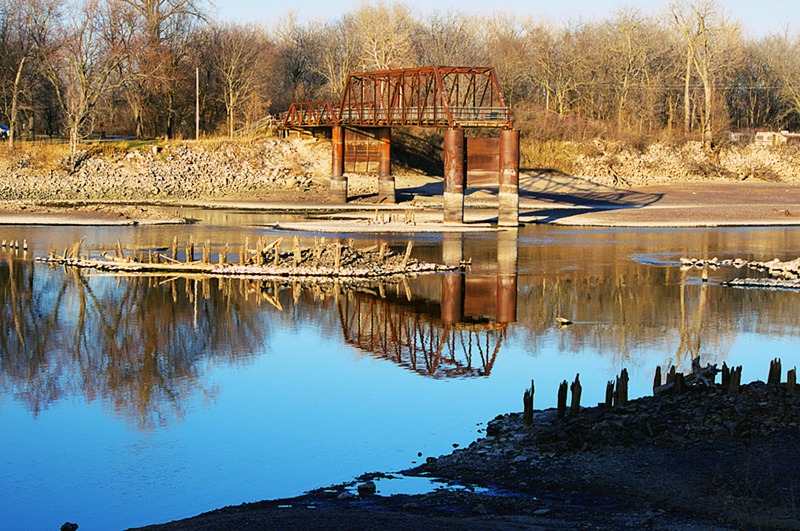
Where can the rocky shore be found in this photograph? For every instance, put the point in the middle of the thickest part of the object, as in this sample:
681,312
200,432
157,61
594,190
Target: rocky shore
700,456
173,171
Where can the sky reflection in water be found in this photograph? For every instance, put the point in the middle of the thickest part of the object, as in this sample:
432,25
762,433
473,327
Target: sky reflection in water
169,400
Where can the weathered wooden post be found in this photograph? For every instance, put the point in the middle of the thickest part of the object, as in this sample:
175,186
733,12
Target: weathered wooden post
791,380
386,184
726,376
621,397
774,377
609,395
338,179
735,380
575,405
508,195
527,405
657,379
454,176
561,408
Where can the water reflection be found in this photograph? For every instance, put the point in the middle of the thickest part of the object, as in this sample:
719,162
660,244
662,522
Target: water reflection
233,390
135,342
451,325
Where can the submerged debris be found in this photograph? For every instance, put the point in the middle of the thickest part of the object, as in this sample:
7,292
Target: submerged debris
323,260
785,275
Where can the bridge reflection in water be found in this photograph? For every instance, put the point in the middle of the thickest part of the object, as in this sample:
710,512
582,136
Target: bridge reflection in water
456,332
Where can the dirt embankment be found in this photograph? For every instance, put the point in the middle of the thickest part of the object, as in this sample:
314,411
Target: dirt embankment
299,169
180,171
615,164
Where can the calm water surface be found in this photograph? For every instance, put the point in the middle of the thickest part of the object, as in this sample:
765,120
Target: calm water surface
129,401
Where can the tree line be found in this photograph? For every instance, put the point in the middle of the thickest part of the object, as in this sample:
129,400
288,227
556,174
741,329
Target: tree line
132,67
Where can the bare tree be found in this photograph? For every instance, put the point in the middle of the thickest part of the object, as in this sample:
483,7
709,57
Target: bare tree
82,65
384,34
237,50
161,33
712,47
26,23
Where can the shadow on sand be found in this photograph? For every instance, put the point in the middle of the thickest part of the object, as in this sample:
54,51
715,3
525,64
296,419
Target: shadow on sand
569,195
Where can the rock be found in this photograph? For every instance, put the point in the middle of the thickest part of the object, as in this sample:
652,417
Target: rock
69,526
368,488
346,495
480,509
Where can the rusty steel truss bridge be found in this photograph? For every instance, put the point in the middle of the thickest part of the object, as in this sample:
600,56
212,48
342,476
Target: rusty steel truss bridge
452,98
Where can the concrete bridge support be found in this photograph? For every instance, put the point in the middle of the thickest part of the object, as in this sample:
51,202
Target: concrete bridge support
338,179
386,185
455,172
508,195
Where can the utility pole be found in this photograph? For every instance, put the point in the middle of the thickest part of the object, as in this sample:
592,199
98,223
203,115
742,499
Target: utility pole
197,103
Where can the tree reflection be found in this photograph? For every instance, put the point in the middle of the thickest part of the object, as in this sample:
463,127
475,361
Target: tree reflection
137,343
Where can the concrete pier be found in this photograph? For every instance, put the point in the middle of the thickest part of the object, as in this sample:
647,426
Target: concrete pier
508,195
386,184
454,176
338,179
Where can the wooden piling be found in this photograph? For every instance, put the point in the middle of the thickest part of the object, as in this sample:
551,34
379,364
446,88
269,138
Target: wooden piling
609,395
297,253
621,395
527,405
575,389
774,377
735,380
657,379
561,410
175,247
791,380
726,375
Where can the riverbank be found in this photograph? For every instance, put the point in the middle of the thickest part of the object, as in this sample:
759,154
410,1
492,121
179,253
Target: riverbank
747,186
707,458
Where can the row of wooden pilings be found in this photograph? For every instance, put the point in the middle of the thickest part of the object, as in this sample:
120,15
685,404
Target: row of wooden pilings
676,382
455,172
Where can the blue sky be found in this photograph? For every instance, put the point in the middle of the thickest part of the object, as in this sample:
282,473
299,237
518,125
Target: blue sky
757,17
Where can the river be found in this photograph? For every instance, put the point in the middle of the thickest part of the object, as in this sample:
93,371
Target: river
129,401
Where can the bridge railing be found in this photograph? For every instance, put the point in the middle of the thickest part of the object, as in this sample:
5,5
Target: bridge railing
436,117
317,113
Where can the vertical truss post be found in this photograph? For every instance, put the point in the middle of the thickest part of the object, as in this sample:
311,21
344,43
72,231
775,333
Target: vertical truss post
338,179
386,185
454,175
508,215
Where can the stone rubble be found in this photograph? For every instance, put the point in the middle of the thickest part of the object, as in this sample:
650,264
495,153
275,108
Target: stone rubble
174,171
